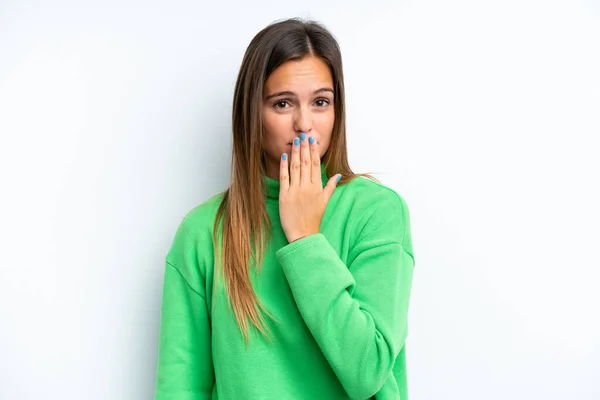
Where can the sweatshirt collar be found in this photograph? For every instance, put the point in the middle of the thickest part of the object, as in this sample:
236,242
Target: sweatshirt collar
273,185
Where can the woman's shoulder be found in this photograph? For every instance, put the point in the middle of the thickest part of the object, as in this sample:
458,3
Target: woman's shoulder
205,212
371,194
192,238
378,206
198,222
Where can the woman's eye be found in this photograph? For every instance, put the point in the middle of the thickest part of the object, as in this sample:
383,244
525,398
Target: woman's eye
280,104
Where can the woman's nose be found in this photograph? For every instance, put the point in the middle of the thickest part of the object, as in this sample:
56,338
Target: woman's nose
303,120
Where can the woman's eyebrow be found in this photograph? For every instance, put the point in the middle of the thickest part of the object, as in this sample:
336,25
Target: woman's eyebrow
288,93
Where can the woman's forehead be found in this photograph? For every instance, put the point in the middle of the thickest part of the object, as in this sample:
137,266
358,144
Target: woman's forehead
307,74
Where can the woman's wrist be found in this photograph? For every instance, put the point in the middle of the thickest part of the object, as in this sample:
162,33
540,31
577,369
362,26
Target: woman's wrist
301,237
298,238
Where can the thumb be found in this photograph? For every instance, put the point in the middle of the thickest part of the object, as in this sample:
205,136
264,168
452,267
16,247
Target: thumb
330,187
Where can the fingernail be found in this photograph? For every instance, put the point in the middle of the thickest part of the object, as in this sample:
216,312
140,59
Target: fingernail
311,140
302,136
296,142
338,178
284,156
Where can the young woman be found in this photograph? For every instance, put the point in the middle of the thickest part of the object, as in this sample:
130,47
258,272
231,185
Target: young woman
292,283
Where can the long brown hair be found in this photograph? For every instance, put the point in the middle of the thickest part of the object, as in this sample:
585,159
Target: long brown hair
246,227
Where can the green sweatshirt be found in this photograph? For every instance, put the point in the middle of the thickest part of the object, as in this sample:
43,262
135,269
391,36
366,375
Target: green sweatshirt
340,297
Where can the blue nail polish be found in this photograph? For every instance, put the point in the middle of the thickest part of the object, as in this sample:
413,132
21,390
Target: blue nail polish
302,136
311,140
296,142
284,156
338,178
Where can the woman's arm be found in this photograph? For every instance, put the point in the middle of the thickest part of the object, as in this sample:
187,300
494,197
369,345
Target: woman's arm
185,368
357,312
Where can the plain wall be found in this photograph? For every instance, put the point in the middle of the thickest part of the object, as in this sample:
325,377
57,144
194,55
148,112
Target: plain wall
483,115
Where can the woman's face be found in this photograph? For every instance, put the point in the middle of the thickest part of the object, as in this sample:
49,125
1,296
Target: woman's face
298,99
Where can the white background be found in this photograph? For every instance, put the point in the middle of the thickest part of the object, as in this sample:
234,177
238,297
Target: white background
483,115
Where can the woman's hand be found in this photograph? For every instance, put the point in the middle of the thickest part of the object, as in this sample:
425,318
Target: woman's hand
302,197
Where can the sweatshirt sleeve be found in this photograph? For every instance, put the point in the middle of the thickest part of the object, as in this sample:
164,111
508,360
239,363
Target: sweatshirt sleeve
357,312
185,368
